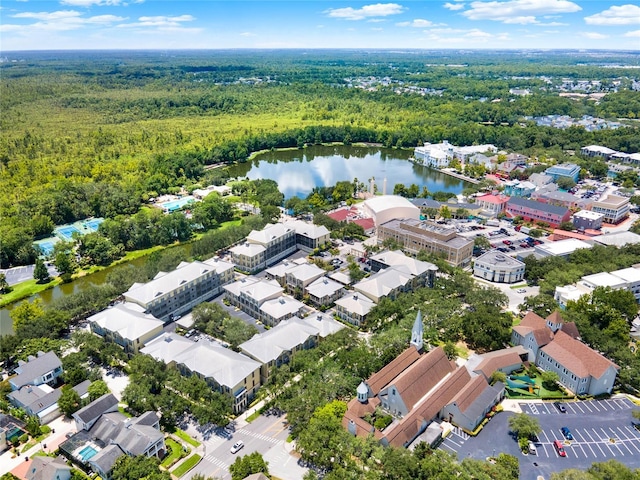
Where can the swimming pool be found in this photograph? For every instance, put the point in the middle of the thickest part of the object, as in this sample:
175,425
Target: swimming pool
174,205
66,232
86,453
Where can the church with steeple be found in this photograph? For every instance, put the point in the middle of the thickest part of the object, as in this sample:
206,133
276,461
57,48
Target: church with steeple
417,388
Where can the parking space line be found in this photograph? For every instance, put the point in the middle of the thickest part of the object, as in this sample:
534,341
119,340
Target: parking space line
577,405
589,406
444,444
596,442
545,437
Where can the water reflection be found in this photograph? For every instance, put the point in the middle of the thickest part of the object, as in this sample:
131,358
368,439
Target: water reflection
298,172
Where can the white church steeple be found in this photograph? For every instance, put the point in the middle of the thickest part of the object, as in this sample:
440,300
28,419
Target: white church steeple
417,332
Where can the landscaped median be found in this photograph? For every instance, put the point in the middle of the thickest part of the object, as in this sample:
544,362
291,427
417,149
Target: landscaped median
187,465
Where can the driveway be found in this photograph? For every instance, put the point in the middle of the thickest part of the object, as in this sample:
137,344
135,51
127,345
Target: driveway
602,431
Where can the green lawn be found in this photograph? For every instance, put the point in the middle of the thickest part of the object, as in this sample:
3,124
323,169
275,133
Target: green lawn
184,436
187,465
174,450
26,289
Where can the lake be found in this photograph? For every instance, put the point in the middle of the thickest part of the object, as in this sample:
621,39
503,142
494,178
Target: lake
298,171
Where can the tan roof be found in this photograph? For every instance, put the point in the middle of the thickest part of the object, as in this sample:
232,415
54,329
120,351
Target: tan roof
571,329
382,377
576,357
498,359
409,426
555,317
470,393
422,376
533,323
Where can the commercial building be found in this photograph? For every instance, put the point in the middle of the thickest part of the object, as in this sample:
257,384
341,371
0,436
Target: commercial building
265,247
587,220
555,346
494,266
561,248
533,211
492,204
614,208
415,235
172,294
566,170
388,207
624,279
127,325
517,188
618,239
560,198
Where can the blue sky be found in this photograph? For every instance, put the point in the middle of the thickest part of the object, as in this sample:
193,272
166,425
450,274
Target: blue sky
207,24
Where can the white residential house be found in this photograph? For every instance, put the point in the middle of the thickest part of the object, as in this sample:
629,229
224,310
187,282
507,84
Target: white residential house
353,308
324,291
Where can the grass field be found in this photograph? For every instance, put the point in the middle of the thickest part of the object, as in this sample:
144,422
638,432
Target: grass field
184,436
26,289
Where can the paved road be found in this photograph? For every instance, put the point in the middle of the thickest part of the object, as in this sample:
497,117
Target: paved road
266,434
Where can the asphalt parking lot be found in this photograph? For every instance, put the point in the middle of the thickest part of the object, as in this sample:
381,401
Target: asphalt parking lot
602,431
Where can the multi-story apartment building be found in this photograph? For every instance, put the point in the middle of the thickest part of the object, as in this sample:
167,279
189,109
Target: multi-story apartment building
415,235
127,325
353,308
250,293
171,294
309,236
265,247
614,208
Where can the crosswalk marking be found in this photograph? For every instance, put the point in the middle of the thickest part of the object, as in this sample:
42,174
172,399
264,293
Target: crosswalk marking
216,462
260,436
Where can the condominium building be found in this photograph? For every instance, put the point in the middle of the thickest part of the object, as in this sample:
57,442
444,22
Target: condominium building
250,293
324,291
614,208
424,272
175,293
126,324
301,276
353,308
309,236
265,247
415,235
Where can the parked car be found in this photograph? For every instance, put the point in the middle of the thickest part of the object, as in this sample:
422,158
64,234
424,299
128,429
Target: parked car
557,444
532,449
237,446
567,433
560,407
507,242
525,245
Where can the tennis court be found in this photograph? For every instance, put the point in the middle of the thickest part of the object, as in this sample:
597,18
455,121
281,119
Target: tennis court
46,245
93,224
65,232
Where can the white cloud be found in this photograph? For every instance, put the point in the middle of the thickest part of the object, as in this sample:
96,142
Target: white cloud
417,23
622,15
49,16
471,37
594,35
454,6
368,11
635,33
247,34
518,11
377,29
62,20
552,24
167,23
88,3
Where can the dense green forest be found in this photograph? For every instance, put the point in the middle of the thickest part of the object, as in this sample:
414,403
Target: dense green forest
98,134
